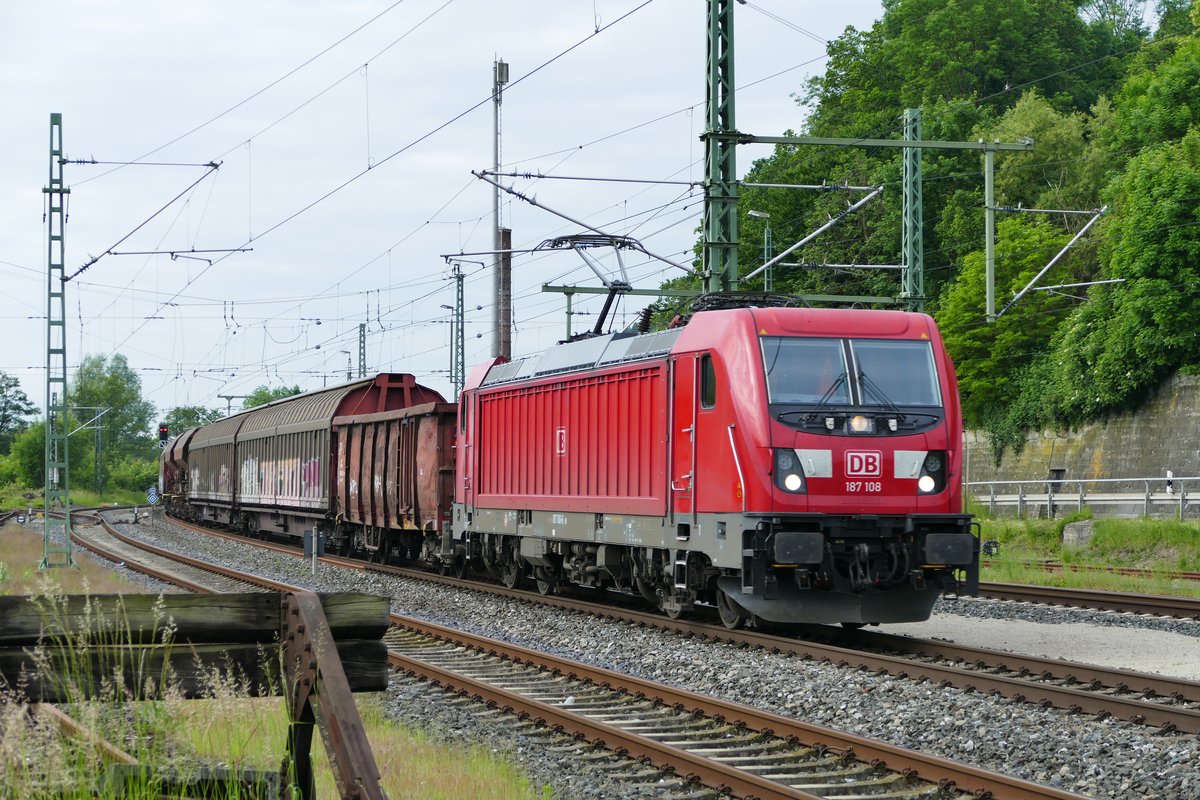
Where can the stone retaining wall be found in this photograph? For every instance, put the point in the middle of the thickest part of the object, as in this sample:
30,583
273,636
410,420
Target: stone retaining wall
1163,435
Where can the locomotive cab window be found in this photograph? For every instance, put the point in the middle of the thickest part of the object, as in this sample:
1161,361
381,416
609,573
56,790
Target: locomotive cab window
892,372
708,382
805,371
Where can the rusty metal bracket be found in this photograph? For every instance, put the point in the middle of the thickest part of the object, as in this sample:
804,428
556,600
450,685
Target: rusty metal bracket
318,694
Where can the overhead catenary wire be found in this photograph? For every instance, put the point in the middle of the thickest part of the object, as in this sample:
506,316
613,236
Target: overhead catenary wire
405,148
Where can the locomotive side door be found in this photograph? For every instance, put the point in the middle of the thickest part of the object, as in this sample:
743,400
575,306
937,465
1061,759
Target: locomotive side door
465,453
683,442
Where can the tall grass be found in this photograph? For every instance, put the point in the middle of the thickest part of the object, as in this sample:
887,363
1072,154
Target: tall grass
248,734
149,718
85,660
21,553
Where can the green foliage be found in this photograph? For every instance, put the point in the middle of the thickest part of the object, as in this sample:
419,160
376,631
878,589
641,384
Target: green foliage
1159,102
28,456
263,395
1131,336
989,357
182,418
134,474
102,383
15,408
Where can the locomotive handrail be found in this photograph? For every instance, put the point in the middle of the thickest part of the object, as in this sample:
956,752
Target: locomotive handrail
737,462
1175,492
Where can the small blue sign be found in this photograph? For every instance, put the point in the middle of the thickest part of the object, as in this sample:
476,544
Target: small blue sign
152,497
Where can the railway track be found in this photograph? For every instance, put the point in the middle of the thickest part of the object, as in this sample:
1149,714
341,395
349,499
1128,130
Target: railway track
692,741
1096,599
1166,703
1058,568
195,576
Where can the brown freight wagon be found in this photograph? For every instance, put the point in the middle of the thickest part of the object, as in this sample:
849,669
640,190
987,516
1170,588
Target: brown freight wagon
395,478
272,468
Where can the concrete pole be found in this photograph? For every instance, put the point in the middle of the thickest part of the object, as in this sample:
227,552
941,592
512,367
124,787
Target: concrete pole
989,230
499,79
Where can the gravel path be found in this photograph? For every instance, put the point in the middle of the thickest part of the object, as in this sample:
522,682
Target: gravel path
1103,759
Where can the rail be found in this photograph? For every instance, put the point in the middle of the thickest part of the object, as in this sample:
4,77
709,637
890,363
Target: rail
1052,493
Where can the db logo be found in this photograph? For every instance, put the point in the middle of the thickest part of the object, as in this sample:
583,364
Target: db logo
864,464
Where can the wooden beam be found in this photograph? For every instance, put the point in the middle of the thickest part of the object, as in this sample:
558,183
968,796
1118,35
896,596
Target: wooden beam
141,618
189,670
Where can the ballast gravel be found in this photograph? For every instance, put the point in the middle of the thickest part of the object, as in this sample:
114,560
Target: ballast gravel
1080,754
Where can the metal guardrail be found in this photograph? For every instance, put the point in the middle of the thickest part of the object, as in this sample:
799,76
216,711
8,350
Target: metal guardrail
1053,493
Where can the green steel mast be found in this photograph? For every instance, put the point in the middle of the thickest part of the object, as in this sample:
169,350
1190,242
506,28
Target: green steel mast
912,287
720,267
57,418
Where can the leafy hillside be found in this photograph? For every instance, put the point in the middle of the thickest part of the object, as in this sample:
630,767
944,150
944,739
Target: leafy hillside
1114,110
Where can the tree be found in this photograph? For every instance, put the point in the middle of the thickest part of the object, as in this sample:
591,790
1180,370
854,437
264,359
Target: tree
263,395
1129,337
102,383
181,418
989,356
29,455
1162,102
15,407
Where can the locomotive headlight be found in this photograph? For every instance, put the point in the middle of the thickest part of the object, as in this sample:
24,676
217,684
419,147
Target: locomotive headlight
933,473
861,424
789,475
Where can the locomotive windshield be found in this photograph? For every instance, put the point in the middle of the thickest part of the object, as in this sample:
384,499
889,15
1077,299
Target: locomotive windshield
806,371
886,373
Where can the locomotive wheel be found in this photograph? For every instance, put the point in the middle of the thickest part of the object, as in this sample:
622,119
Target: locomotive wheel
733,616
542,580
459,567
672,611
646,590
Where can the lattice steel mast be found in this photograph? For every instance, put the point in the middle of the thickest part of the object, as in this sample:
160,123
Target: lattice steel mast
720,268
57,422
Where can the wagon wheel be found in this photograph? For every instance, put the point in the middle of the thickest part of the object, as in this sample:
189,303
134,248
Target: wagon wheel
733,616
510,570
459,567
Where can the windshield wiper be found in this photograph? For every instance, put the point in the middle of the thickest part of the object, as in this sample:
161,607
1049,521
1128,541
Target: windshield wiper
809,415
873,388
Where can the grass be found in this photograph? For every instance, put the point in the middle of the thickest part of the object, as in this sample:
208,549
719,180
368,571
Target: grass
13,496
250,734
21,553
230,729
1160,546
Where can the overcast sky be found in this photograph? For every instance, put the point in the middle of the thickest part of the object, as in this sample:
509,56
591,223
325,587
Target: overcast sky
346,134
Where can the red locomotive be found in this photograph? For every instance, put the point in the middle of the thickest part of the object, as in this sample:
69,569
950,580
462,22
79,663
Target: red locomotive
789,464
794,464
